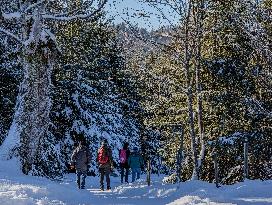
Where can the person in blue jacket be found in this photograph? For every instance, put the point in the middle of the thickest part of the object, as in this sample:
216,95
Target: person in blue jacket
135,162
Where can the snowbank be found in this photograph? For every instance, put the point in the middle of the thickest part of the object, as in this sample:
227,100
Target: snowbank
16,188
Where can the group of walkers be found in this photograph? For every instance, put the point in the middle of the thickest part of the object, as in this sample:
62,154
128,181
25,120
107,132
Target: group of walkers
81,159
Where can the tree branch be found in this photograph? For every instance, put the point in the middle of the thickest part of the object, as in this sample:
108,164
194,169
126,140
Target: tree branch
75,17
34,5
11,35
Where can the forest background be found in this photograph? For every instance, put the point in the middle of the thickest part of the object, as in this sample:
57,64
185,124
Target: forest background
184,93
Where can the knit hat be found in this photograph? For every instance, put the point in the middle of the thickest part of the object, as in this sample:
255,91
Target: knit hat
104,142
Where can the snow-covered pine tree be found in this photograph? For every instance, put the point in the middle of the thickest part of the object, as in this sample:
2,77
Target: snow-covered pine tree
92,95
32,30
10,75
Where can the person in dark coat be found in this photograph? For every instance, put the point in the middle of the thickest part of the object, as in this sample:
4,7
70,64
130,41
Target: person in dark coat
135,162
105,164
123,158
80,160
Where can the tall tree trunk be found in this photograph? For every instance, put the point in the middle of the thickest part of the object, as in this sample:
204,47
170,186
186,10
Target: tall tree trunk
188,56
35,101
198,16
35,106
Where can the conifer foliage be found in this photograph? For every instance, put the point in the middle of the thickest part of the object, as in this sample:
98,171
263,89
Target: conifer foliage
91,96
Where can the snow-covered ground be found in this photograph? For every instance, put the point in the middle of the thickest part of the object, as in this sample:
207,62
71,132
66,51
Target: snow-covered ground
18,189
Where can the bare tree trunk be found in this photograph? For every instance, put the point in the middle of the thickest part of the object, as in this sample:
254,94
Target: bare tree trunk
189,94
179,157
198,14
35,106
246,159
216,171
148,176
192,132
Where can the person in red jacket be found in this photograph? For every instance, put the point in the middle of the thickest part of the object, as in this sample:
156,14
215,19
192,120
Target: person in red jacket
105,164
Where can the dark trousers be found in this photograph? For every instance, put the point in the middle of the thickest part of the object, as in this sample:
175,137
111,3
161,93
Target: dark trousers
104,172
136,172
124,173
81,176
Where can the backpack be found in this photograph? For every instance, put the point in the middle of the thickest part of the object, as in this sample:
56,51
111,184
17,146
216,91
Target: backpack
102,157
123,156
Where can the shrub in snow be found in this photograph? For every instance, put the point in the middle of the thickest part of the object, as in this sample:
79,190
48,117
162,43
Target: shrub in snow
230,155
172,179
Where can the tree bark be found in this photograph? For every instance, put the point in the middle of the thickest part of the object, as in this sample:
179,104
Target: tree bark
199,25
189,93
35,105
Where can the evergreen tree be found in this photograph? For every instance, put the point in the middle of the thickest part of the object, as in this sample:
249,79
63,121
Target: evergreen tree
9,81
232,80
32,25
92,95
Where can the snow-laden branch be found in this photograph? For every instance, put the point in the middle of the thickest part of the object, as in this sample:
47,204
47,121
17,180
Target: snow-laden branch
75,17
11,35
34,5
257,107
18,14
66,13
60,17
14,15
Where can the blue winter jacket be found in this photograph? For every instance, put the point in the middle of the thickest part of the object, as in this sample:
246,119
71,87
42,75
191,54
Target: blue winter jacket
135,160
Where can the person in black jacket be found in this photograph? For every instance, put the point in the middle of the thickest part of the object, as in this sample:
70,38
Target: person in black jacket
123,158
80,160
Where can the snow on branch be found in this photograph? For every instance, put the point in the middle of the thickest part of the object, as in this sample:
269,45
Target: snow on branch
34,5
11,35
17,14
59,17
14,15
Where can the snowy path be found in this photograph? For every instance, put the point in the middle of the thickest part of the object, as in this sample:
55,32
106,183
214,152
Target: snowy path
17,189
